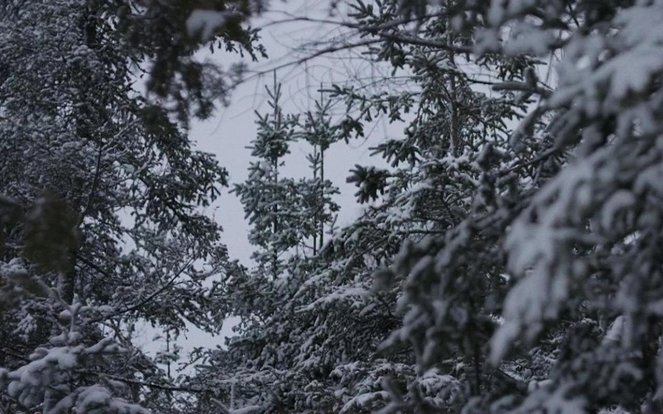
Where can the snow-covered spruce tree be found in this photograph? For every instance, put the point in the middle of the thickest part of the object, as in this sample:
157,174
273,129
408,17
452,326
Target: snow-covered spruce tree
278,230
569,217
265,368
320,131
99,209
269,199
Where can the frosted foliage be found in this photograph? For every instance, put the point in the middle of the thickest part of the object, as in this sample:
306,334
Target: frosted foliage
440,391
98,400
552,402
364,401
599,188
526,38
95,400
537,284
627,71
101,204
45,380
534,247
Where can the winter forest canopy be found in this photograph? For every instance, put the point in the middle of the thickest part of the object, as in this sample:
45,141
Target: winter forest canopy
508,257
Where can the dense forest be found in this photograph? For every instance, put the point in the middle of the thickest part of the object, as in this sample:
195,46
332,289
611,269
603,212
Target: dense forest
508,257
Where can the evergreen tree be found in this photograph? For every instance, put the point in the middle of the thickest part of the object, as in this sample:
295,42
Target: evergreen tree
320,132
562,224
264,367
101,222
267,195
